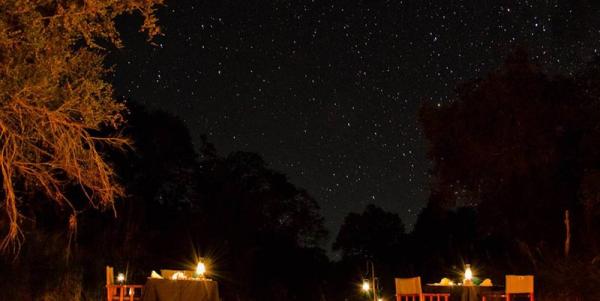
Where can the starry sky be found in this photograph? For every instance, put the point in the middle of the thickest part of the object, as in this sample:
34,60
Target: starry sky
328,91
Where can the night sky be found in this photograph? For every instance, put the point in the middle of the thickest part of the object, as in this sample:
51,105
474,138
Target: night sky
327,91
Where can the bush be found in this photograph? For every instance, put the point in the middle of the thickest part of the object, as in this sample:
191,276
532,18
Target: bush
569,280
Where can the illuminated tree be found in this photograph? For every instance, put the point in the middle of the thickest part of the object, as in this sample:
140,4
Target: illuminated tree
55,101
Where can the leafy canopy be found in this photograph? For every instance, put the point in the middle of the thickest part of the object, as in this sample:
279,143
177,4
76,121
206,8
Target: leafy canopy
55,100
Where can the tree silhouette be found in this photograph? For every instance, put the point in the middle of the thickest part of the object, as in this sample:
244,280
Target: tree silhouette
514,142
267,231
520,147
370,234
376,236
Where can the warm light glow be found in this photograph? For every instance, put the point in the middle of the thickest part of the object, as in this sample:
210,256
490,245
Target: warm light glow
365,286
468,273
154,274
178,276
379,299
120,278
200,269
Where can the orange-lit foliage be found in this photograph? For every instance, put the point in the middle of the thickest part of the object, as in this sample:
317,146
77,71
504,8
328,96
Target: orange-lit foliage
54,98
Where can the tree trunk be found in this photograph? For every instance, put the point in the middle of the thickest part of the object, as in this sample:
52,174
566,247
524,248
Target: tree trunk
567,234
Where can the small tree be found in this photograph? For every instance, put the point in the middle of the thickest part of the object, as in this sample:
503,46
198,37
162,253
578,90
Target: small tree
371,234
54,101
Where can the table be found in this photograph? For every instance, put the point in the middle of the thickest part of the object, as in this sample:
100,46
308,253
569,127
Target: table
462,292
180,290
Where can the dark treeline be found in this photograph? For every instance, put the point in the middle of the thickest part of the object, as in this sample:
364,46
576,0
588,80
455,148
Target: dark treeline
512,152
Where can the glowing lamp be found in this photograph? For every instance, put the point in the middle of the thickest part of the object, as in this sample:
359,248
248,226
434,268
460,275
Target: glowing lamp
365,286
200,269
468,275
121,278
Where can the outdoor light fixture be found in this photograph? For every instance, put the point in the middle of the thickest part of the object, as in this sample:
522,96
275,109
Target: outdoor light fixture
371,284
365,286
200,269
121,278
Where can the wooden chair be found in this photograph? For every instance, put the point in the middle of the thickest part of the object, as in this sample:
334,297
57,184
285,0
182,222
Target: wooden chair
516,285
409,289
121,292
